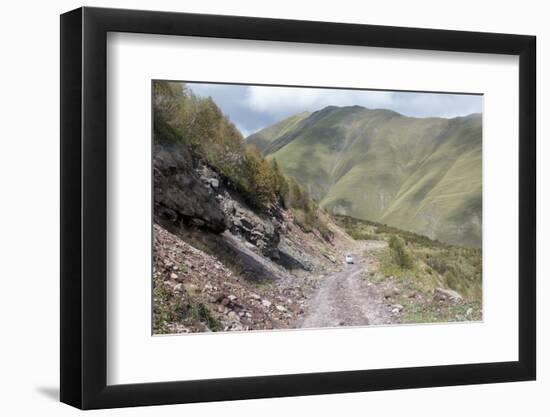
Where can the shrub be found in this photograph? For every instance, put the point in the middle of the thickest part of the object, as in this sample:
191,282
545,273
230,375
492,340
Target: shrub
262,179
362,235
169,307
399,252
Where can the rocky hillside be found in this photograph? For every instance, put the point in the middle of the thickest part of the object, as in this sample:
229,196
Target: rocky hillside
418,174
237,245
196,292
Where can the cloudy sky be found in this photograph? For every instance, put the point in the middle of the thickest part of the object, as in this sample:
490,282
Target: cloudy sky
252,108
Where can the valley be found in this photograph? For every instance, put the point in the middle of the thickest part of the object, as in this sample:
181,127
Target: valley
239,244
417,174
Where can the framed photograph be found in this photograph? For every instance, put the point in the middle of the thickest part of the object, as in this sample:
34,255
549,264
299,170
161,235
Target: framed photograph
256,208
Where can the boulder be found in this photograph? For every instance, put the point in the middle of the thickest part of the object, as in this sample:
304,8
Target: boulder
444,294
391,292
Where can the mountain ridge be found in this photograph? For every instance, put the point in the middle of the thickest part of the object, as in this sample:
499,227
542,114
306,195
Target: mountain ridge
377,164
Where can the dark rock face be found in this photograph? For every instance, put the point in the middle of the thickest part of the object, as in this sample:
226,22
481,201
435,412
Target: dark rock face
291,258
253,265
179,193
258,229
188,192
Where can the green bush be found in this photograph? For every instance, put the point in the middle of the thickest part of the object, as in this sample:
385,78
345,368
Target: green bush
166,307
362,235
460,268
263,181
203,314
169,307
400,254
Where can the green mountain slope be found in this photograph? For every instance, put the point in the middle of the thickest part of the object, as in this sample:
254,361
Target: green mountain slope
263,139
418,174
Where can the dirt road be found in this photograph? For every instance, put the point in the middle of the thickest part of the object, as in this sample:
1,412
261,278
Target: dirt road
345,299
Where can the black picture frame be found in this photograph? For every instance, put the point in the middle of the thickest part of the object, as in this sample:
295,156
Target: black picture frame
84,207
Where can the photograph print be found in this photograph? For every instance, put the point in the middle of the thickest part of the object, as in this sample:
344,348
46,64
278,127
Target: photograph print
288,207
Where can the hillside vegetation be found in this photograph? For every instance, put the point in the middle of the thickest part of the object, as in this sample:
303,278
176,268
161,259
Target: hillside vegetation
264,138
418,174
181,116
418,263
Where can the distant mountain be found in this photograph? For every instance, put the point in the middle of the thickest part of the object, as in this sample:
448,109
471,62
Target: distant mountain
418,174
264,137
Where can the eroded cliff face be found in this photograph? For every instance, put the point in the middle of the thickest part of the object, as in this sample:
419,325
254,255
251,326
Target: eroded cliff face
221,264
190,194
195,202
180,196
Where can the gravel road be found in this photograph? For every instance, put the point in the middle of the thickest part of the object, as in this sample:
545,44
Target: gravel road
345,299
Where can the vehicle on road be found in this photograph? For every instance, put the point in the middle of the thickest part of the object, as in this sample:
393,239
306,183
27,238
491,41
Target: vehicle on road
349,259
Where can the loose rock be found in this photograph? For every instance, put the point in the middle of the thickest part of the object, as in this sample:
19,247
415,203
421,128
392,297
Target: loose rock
443,294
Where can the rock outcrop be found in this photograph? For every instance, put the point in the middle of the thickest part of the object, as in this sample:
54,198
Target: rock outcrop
179,193
189,192
262,243
259,230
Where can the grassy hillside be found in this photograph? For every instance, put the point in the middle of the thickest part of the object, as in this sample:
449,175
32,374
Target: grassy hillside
418,174
263,139
415,263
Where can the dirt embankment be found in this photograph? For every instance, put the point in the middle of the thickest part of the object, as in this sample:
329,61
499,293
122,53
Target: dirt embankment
197,292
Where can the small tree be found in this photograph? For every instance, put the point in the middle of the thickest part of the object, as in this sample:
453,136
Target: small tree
280,182
400,255
262,187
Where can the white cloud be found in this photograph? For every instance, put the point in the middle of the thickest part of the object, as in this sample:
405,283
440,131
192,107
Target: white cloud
254,107
284,101
288,100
